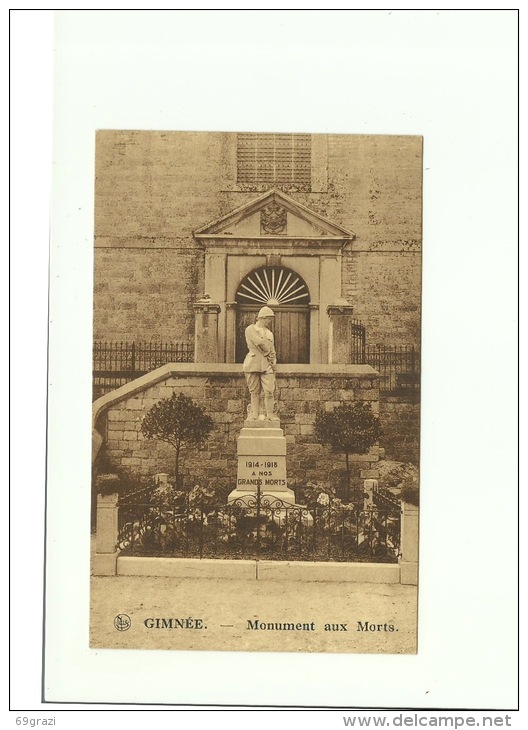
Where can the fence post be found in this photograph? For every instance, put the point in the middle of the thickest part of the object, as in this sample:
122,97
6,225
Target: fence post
409,545
106,550
369,487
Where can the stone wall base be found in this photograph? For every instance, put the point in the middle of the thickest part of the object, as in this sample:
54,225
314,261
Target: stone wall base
263,570
329,572
186,568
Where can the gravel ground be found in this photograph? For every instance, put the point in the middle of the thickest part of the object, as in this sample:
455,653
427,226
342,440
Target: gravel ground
226,606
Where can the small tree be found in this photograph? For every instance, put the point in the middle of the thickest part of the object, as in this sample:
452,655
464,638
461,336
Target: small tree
351,428
178,421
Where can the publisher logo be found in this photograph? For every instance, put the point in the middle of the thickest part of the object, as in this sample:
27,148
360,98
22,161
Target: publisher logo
122,622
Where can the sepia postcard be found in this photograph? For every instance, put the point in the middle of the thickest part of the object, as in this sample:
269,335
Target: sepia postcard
256,391
277,464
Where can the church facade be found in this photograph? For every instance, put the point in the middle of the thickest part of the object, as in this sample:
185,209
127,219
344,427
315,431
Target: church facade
303,223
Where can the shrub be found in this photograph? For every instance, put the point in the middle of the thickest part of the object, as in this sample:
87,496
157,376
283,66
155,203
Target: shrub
178,421
411,494
351,428
108,484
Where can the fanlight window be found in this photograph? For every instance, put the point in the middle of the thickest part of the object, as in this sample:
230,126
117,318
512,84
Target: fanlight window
274,286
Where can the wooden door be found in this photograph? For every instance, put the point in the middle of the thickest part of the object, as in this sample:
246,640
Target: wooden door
291,329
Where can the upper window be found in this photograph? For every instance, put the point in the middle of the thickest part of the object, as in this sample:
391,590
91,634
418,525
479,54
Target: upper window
280,160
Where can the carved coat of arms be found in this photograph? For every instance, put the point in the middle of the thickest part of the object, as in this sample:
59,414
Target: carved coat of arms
273,219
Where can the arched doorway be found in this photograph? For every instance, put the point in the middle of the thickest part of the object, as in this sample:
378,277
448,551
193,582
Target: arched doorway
287,294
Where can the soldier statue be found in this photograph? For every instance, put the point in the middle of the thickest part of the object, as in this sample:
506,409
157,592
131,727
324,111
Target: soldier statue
260,366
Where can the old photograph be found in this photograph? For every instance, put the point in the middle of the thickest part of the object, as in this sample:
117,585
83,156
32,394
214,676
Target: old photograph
256,391
277,333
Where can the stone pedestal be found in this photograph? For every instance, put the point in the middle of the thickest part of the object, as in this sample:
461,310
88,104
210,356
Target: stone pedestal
261,450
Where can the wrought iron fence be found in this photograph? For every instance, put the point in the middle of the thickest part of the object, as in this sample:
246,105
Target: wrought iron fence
385,499
259,526
398,365
357,342
117,363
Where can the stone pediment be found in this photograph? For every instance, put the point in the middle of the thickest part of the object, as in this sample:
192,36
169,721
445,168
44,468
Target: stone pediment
273,215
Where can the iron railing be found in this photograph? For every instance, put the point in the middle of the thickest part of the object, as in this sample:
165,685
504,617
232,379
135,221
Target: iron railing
398,365
384,499
259,526
117,363
357,342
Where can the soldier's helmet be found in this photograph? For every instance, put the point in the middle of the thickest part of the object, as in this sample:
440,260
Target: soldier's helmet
265,312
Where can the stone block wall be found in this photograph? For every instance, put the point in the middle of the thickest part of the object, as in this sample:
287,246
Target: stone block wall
146,294
152,190
385,287
400,421
374,183
221,390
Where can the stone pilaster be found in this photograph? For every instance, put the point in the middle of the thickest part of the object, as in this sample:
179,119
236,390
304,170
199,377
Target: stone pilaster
339,331
409,545
106,551
206,346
